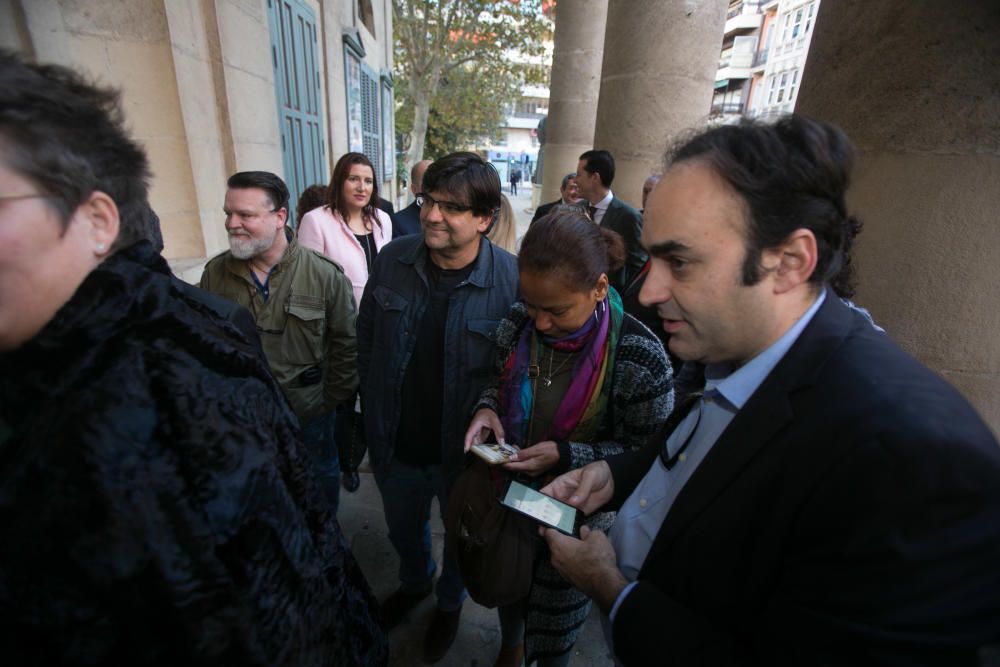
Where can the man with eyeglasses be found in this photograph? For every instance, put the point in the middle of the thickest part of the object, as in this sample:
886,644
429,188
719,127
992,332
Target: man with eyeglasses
425,350
302,305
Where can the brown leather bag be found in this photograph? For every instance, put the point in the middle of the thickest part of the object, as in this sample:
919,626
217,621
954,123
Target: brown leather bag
494,546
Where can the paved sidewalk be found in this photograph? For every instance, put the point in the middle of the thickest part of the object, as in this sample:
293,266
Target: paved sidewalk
478,640
522,207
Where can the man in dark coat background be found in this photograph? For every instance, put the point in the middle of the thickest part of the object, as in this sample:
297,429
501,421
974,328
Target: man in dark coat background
594,175
569,195
407,221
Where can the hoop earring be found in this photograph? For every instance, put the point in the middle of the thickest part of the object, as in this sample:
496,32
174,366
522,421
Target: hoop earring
599,306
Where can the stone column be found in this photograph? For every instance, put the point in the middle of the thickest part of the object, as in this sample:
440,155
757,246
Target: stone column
914,84
576,82
660,61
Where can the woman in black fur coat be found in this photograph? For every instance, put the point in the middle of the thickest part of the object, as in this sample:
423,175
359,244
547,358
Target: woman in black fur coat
156,506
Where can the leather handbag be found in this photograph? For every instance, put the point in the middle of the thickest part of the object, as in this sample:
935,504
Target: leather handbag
494,546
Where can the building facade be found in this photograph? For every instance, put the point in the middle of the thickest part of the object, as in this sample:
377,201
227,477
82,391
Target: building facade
515,145
739,47
763,55
211,87
786,33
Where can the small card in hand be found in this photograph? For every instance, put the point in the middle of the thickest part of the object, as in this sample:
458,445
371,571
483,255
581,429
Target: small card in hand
494,453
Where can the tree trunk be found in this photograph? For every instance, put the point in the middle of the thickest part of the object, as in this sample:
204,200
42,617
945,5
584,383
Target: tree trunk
418,135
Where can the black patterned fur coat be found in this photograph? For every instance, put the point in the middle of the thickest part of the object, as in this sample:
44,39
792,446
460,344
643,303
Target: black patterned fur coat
156,507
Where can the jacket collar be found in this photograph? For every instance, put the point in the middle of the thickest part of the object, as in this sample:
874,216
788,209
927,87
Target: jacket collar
768,410
481,276
127,286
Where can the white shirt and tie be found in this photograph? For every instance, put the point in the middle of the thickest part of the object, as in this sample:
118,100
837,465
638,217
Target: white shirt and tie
726,392
598,210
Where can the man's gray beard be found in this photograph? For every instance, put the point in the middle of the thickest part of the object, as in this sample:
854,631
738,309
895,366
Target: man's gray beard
247,247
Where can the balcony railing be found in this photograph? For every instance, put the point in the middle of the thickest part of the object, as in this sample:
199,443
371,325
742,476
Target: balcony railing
722,108
760,58
743,8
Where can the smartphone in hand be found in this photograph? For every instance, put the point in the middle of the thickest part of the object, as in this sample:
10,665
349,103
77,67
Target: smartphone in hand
494,453
542,508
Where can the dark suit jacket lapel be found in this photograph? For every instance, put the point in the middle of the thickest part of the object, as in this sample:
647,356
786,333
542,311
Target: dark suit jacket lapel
611,214
768,410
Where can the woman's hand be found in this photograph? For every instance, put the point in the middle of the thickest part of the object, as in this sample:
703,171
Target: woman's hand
536,459
484,421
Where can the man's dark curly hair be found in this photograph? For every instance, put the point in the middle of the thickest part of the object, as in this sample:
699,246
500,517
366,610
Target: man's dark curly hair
67,136
790,175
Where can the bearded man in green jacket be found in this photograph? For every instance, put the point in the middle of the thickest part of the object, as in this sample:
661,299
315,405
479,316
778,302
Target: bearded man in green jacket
302,304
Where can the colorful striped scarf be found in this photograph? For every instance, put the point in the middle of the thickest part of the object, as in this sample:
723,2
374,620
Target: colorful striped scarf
582,407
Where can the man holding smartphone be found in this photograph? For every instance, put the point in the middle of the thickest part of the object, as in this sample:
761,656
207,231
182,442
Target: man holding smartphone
826,499
542,508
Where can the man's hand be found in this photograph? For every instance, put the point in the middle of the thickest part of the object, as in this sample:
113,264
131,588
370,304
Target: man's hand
535,459
588,563
484,421
587,488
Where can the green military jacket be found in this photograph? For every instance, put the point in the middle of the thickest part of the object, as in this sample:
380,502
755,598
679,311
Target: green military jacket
306,327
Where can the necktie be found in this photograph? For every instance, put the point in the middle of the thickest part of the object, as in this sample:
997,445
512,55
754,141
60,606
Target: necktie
592,212
691,401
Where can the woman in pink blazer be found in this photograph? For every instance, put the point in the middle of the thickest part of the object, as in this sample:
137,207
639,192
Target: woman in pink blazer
350,229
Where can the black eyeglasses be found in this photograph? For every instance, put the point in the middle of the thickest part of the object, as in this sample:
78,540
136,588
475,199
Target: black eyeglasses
692,401
445,206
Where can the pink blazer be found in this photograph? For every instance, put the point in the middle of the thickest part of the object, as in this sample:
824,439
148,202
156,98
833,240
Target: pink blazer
324,230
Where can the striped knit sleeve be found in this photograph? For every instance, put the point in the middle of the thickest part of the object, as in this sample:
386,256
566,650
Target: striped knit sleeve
641,398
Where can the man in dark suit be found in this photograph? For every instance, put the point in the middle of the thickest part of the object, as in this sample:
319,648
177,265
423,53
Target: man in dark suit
827,500
594,174
407,220
568,192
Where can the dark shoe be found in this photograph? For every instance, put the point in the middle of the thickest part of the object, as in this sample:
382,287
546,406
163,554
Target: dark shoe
350,480
510,656
399,604
441,634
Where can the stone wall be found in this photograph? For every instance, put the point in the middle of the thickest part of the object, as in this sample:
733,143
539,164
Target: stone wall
198,89
916,87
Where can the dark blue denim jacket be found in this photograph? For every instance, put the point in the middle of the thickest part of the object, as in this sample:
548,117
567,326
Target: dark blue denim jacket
394,301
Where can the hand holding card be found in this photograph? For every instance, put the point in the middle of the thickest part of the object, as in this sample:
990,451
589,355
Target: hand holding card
495,453
484,424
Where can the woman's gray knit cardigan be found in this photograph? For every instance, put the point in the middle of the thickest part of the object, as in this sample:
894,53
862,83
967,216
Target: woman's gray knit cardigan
641,399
